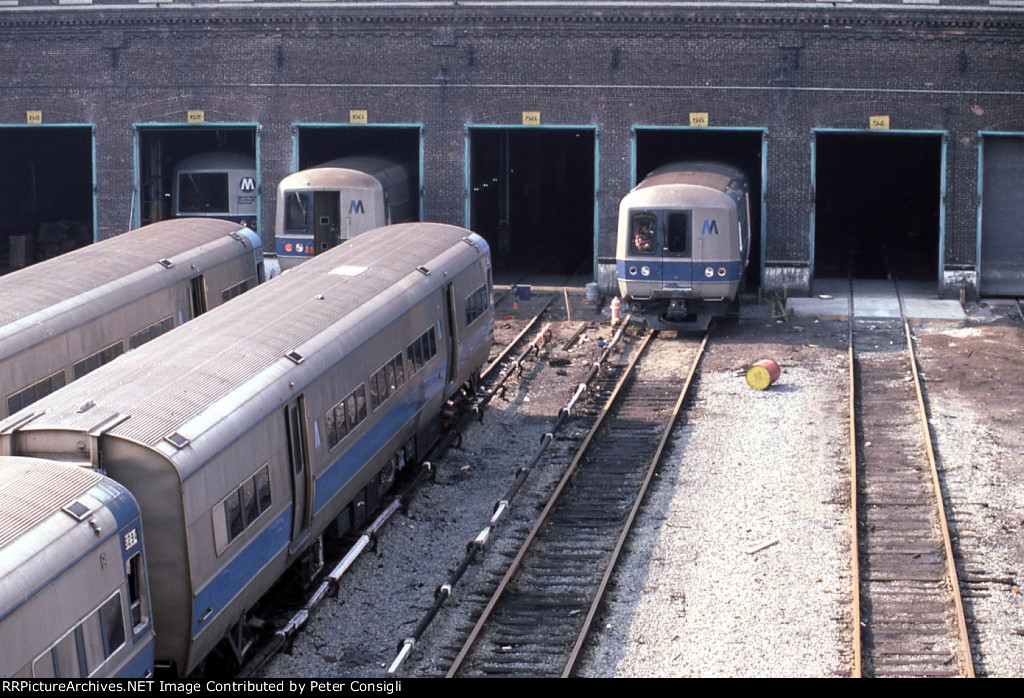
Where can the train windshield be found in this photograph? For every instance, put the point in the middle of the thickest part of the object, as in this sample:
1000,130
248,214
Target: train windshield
677,233
642,233
298,211
203,192
666,232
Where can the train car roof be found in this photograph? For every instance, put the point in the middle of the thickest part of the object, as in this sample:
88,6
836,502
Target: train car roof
325,174
34,522
713,175
255,347
88,282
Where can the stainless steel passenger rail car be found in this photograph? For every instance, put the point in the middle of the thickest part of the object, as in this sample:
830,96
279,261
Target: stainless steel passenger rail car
64,317
73,595
683,243
251,431
325,205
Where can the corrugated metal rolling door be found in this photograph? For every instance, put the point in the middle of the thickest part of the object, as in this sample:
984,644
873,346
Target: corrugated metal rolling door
1002,216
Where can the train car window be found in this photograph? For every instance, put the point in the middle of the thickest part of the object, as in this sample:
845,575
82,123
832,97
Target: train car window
233,513
241,509
112,621
250,505
477,304
375,398
348,413
92,639
399,371
36,391
83,650
263,488
421,351
677,233
341,420
91,363
298,208
391,377
238,289
332,432
415,355
66,657
149,333
642,233
388,379
205,192
360,394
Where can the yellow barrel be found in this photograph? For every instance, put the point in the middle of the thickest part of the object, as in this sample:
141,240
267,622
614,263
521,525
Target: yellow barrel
763,373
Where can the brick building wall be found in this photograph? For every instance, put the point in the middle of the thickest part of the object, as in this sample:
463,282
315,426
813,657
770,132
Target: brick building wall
788,70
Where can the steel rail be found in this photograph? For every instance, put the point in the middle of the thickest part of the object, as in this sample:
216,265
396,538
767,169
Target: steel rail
858,658
476,547
519,337
961,618
567,476
941,523
628,527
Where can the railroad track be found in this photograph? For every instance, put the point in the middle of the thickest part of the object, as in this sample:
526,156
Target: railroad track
537,619
908,615
282,627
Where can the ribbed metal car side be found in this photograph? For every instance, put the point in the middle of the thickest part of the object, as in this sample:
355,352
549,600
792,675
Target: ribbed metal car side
254,429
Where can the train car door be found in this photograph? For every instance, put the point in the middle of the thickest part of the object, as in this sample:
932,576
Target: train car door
302,489
197,295
680,254
451,341
326,217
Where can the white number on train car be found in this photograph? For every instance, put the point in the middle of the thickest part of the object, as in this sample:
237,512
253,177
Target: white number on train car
131,539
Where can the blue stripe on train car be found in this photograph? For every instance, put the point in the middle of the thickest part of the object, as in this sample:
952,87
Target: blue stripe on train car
141,664
290,247
345,467
680,270
229,582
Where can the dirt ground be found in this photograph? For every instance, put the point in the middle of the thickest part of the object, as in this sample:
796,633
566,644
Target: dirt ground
740,563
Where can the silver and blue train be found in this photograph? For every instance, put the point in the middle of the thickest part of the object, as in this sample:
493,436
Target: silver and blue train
74,599
683,244
62,318
265,425
323,206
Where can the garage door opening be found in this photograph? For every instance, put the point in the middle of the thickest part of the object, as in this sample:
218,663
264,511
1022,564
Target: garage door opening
400,145
1001,269
740,148
531,196
47,207
320,144
198,171
877,210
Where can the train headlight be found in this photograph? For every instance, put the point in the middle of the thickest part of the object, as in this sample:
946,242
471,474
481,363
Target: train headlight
645,270
300,248
709,272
